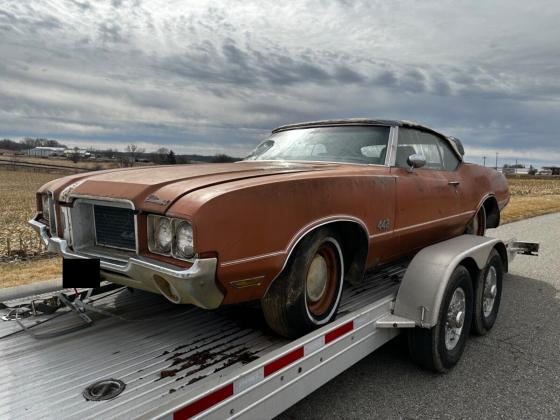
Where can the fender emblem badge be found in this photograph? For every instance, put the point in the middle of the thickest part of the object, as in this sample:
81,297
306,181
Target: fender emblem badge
152,198
383,224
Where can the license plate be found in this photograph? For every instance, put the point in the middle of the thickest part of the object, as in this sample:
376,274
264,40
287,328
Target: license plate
83,273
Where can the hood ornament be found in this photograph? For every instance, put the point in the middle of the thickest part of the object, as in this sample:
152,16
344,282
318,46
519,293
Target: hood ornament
152,198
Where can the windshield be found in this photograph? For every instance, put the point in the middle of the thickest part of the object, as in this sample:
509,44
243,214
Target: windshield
350,144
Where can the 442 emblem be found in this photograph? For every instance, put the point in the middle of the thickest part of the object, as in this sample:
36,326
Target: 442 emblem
383,225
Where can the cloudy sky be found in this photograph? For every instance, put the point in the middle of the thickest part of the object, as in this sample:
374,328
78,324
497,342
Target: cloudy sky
217,76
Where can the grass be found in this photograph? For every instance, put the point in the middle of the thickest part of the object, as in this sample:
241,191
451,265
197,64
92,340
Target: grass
529,198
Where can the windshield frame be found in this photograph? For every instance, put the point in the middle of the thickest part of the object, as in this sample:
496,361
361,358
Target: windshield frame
391,146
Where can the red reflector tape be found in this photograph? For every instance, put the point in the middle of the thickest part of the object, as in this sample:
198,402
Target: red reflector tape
204,403
340,331
283,361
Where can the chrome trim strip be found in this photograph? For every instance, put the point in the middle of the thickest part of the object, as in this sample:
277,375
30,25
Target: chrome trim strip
256,257
311,161
391,155
470,212
376,235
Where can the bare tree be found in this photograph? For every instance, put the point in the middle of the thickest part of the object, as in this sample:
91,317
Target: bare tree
161,155
133,150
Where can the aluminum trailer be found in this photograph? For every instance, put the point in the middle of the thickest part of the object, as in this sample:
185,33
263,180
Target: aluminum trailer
116,353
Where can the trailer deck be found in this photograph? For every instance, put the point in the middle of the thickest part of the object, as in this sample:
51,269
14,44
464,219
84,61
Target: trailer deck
176,359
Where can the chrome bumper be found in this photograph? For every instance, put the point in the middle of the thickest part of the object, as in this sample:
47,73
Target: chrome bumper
196,285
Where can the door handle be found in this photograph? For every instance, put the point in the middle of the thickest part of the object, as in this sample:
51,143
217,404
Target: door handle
454,183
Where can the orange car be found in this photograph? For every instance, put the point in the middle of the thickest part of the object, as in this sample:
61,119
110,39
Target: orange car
314,206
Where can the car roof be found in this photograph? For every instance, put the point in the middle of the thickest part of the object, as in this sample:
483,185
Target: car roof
367,121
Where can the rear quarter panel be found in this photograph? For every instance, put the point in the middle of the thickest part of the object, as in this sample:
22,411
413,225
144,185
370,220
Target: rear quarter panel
478,183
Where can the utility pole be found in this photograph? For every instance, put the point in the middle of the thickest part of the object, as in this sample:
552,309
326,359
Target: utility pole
496,160
484,158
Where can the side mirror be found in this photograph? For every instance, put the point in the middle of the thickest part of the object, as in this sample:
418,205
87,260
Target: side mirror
415,161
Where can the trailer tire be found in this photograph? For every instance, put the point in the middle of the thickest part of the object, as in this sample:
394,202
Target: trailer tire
307,293
440,347
487,294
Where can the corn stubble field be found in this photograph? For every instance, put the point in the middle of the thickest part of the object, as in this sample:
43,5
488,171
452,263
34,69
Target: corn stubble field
23,258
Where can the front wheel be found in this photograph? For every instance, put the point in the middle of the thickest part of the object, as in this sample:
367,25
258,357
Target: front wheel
440,348
307,293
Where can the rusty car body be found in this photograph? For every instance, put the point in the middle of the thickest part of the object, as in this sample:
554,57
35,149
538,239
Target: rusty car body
314,206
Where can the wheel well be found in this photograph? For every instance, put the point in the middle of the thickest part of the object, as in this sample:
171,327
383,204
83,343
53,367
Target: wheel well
354,243
472,268
501,248
492,212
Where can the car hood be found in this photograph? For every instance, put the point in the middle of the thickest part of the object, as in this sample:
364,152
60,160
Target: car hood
155,188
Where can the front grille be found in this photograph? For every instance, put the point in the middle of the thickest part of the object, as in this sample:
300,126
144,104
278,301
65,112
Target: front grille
114,227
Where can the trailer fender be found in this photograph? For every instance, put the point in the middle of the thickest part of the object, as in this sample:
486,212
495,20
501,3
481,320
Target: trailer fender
424,282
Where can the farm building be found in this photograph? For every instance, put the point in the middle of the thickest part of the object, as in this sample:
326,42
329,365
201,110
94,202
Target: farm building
554,170
43,151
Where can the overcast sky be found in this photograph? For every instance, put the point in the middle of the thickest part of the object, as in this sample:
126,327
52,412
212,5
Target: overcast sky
217,76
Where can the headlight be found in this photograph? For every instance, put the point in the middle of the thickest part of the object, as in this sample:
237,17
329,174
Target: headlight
183,245
46,207
160,234
172,237
164,234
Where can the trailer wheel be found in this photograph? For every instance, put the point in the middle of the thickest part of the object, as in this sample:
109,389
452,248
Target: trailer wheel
488,293
306,294
440,348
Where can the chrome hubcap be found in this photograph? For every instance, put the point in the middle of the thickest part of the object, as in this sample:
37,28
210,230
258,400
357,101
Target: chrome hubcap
490,291
455,318
317,278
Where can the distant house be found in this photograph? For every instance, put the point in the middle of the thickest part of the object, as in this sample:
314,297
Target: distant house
554,170
43,151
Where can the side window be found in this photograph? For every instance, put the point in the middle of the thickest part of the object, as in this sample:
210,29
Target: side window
431,151
412,141
450,160
438,154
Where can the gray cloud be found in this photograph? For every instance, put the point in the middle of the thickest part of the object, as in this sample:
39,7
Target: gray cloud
218,74
111,32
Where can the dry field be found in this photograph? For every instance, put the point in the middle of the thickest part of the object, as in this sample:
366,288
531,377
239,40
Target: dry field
531,197
18,242
93,165
25,261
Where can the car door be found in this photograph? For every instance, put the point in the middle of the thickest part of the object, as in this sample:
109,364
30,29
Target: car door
427,197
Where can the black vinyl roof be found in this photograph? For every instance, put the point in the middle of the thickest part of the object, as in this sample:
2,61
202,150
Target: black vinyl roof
353,121
366,121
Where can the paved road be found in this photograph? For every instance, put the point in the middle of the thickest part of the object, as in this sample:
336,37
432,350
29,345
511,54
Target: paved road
513,372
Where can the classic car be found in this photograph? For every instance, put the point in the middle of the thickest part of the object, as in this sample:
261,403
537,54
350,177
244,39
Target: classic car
313,207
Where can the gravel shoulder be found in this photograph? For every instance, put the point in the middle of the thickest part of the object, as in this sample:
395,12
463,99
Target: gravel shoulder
514,371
